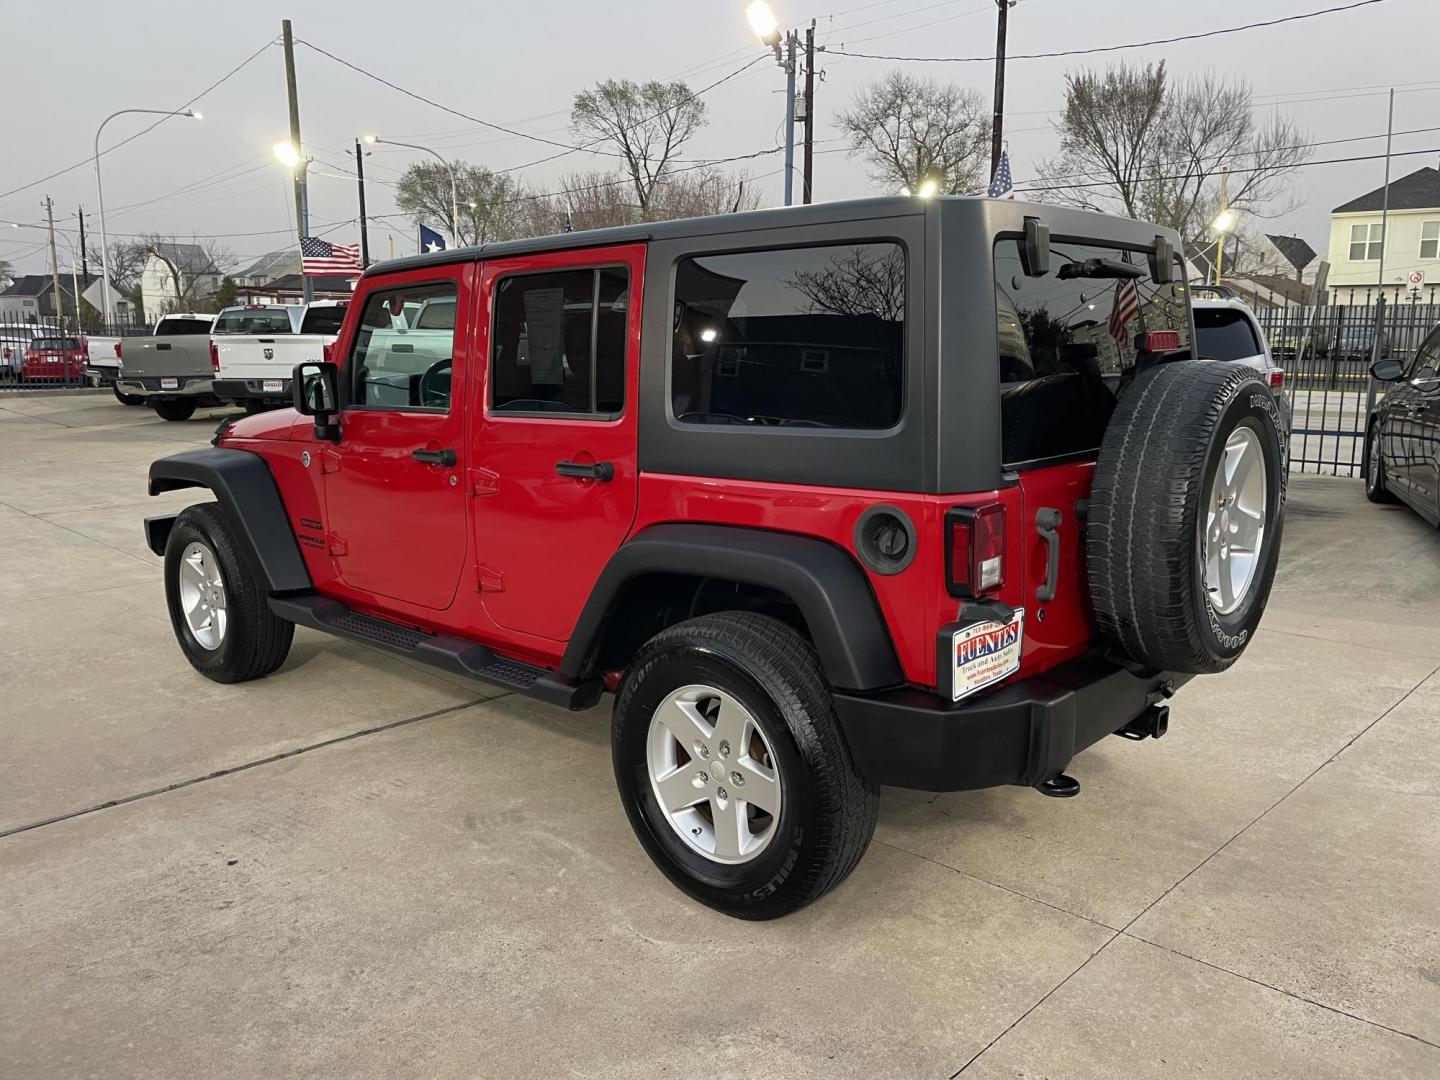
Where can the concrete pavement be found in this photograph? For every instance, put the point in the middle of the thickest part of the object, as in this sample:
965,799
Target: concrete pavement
361,868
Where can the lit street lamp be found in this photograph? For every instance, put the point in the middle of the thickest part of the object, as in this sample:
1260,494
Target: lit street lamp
1223,225
100,193
454,195
288,154
767,29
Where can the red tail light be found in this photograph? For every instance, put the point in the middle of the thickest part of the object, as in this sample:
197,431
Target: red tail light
1277,378
1159,341
214,356
117,350
325,352
975,550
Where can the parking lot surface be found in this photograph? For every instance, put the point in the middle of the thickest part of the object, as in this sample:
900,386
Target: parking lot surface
361,868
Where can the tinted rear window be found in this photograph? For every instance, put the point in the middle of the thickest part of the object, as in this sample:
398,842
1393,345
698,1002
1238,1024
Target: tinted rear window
260,321
173,327
801,337
323,320
1225,334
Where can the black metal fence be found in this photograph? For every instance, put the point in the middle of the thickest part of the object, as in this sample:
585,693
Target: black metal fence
46,352
1326,354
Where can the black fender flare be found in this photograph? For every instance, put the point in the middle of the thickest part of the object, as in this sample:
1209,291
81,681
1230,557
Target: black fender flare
245,488
824,581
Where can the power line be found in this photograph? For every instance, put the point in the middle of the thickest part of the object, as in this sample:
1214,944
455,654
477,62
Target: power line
88,158
841,51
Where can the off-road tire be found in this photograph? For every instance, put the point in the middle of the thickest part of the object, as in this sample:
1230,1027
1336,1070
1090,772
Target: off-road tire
1156,466
829,810
256,642
124,398
174,409
1375,490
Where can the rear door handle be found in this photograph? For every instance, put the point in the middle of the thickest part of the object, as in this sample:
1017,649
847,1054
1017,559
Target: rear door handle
597,470
435,457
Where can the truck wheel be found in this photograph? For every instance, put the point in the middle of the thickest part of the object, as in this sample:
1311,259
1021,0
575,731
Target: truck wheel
1374,465
1183,528
733,769
174,409
126,399
218,610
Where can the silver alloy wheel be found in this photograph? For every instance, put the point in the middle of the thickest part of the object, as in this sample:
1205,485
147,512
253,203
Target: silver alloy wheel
202,595
1373,466
713,773
1234,526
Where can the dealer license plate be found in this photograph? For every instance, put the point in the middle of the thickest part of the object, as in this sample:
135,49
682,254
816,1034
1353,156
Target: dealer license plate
273,386
169,384
984,653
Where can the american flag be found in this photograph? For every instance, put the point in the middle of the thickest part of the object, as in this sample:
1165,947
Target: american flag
1127,306
319,257
1002,187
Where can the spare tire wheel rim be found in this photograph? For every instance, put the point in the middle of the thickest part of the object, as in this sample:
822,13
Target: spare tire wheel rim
1233,534
202,595
714,774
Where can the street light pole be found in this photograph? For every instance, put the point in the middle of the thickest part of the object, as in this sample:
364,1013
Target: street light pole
454,191
100,194
792,44
289,154
364,230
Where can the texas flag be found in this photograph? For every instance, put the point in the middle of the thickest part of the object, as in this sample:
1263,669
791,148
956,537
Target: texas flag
430,240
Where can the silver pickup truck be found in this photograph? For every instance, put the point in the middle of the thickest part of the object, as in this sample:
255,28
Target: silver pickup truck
171,370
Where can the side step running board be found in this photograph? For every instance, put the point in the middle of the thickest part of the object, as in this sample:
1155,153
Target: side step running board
442,651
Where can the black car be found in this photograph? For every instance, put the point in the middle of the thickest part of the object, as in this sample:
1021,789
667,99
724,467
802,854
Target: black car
1402,444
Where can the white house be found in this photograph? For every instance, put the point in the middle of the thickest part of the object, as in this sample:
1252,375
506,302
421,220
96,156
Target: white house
196,273
1413,244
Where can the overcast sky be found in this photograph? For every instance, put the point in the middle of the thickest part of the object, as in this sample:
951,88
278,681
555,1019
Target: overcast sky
520,63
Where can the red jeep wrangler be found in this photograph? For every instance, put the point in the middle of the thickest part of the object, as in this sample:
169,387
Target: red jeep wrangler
928,493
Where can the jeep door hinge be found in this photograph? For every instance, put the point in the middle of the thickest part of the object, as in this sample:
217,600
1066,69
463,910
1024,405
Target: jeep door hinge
487,580
335,545
329,461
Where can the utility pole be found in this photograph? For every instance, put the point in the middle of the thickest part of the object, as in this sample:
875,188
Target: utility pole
808,167
1385,200
792,42
55,263
301,216
360,179
997,127
84,258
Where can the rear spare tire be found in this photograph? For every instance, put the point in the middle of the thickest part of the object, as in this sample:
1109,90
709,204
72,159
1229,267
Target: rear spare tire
1183,529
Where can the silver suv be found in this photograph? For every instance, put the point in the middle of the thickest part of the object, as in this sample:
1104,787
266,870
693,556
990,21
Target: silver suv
1225,329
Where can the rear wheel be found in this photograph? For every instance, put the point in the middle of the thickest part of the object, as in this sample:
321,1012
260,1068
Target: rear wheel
733,769
1183,528
1375,489
174,409
220,614
126,399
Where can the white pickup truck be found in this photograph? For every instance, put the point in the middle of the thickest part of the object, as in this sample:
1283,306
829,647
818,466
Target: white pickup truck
258,347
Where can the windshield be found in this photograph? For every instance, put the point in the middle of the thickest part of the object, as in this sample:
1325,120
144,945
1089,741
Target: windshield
55,343
253,321
1225,334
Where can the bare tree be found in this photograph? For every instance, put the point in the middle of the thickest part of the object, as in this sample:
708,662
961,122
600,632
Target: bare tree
858,282
489,203
1132,142
7,273
646,123
601,200
127,266
193,269
703,192
911,129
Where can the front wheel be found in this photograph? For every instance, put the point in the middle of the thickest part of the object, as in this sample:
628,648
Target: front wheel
1375,489
733,769
174,409
218,610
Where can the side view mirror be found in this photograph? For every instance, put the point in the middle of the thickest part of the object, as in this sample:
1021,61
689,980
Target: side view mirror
313,385
1387,370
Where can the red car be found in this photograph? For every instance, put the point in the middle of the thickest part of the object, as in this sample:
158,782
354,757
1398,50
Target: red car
890,492
56,359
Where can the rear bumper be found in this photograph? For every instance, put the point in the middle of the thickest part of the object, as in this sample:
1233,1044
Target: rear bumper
1024,733
197,387
246,390
102,374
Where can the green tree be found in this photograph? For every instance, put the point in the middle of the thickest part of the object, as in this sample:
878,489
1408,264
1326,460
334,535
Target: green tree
227,295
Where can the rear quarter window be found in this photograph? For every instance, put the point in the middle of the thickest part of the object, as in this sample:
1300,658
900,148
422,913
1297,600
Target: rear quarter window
1225,334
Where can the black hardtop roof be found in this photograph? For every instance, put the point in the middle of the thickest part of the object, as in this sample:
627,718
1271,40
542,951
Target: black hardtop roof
996,215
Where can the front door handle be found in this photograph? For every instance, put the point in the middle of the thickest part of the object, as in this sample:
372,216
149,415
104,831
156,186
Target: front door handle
596,470
435,457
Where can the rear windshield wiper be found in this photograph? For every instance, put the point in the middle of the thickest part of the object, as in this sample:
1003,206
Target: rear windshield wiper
1099,268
